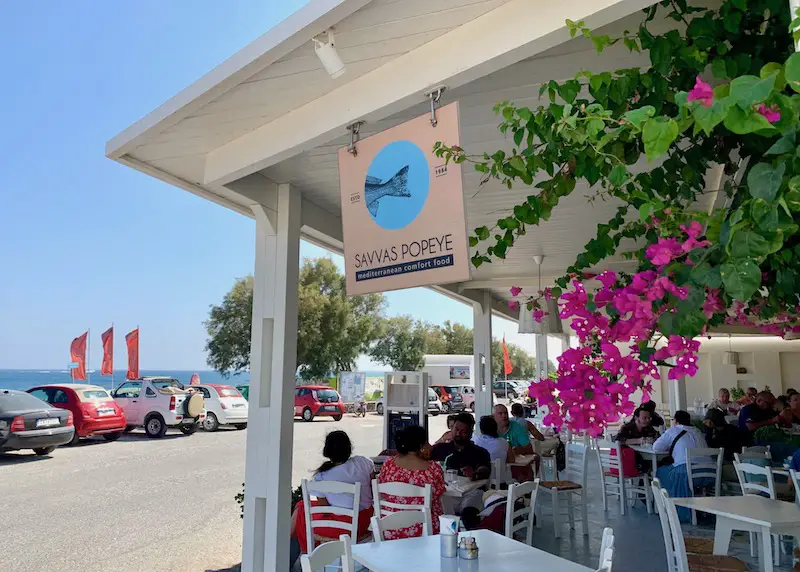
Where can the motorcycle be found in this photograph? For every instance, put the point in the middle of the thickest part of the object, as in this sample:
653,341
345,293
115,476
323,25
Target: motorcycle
361,409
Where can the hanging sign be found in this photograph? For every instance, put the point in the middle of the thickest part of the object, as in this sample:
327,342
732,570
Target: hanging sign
403,208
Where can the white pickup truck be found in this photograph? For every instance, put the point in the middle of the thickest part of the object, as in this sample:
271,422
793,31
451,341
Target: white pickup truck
157,403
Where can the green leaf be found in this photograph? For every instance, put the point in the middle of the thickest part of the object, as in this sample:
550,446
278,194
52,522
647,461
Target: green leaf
639,116
764,181
473,241
482,233
661,55
741,278
569,90
707,275
595,126
618,175
747,90
519,134
765,215
518,164
658,134
783,145
792,71
732,20
748,244
792,196
645,211
708,118
718,68
743,122
774,68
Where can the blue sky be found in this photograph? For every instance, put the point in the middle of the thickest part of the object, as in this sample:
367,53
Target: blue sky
84,241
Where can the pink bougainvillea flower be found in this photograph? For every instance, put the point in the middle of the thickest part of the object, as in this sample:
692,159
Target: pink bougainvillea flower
513,305
664,251
702,92
608,278
694,230
713,303
771,113
515,290
538,315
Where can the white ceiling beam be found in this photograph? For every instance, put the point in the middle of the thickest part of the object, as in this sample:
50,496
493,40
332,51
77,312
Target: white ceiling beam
508,34
499,308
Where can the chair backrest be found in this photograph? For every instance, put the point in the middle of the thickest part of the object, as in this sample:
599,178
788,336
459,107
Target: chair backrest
759,452
500,474
674,545
322,488
524,514
606,543
705,463
762,484
796,481
576,463
328,553
606,559
401,490
609,462
399,520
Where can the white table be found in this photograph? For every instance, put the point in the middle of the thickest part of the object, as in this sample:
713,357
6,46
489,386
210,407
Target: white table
751,513
463,486
522,460
423,554
647,452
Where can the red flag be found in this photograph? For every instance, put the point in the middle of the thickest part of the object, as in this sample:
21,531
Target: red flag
507,367
77,351
132,341
107,367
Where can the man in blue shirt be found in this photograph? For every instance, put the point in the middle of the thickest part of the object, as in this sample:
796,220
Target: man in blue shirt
758,414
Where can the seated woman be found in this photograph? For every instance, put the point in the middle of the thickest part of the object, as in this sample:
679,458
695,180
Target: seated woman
344,468
791,415
490,440
412,466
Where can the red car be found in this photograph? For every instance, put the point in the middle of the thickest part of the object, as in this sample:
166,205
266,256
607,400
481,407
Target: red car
94,411
313,400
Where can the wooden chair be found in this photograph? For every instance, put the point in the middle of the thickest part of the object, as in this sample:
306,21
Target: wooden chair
399,520
698,466
678,559
758,481
525,515
329,553
323,488
626,488
574,485
401,490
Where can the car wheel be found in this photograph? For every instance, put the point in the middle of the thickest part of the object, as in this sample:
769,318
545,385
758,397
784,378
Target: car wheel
210,423
337,417
128,428
434,412
307,414
379,409
446,407
155,427
512,394
75,439
188,429
42,451
112,436
240,426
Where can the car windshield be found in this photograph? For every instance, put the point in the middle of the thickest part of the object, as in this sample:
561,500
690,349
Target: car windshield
327,395
228,392
94,394
162,383
451,389
20,402
432,395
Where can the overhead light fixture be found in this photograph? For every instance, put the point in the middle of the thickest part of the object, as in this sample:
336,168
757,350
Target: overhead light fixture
551,323
730,357
327,54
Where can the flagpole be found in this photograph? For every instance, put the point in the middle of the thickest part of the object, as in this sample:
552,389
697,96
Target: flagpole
112,356
89,356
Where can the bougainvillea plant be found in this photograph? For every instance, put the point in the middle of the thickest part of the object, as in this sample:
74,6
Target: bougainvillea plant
712,120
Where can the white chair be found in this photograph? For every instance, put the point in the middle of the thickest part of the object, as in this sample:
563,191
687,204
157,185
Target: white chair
401,490
606,559
606,543
704,463
525,492
547,462
501,475
626,488
324,488
795,476
329,553
678,560
572,486
761,483
400,520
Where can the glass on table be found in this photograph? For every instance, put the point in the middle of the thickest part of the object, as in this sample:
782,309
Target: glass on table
451,476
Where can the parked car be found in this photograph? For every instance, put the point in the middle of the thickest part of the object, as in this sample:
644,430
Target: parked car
467,393
434,404
93,410
509,389
27,422
157,403
244,389
451,398
313,400
224,406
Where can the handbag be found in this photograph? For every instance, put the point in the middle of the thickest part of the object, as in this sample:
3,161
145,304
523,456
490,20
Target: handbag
669,460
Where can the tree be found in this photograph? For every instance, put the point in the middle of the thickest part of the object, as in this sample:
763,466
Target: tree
524,363
333,329
448,339
401,344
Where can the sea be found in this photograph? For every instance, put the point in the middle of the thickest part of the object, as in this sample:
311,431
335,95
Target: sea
24,379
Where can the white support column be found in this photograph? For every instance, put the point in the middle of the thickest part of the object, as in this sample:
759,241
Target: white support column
677,394
482,351
540,340
273,362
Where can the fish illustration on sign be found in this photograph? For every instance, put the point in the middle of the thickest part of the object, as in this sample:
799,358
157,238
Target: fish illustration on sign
375,189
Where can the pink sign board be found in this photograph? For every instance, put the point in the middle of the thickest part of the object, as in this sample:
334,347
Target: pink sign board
403,208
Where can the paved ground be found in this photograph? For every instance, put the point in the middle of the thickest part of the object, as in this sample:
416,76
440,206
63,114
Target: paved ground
120,507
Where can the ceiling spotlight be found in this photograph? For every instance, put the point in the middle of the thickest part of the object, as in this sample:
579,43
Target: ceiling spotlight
326,52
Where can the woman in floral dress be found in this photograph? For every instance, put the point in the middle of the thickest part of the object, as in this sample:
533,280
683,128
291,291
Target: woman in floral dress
412,466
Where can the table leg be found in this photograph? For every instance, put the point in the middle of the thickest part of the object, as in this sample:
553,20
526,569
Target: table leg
654,460
722,535
766,550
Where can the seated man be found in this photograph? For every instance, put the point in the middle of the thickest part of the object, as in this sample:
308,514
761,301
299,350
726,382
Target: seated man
655,419
759,414
517,436
464,456
633,433
748,398
723,403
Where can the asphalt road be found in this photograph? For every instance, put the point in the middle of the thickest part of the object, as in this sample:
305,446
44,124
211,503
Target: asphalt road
142,504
